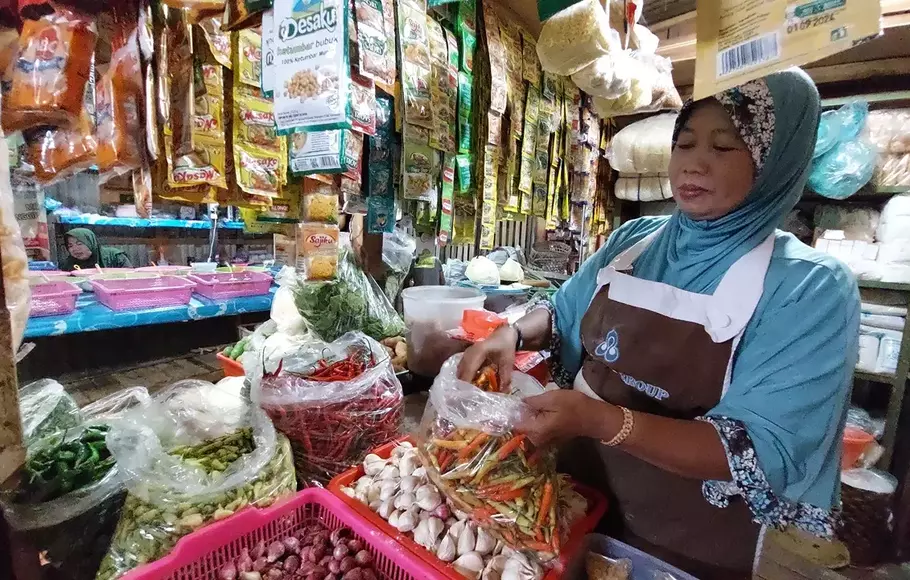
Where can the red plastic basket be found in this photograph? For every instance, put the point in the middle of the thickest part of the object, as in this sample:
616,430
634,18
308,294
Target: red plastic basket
597,507
140,293
53,298
224,285
199,555
230,367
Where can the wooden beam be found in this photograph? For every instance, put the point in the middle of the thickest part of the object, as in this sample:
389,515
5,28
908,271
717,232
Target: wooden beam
854,71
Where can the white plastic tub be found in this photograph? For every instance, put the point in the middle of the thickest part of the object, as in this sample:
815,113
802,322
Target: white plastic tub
429,311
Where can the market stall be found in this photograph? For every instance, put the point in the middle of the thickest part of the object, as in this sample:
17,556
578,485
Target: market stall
385,183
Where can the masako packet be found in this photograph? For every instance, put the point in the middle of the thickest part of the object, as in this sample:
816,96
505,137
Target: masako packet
312,72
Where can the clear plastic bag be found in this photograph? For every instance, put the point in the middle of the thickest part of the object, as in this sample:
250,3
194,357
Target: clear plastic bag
575,37
72,530
650,88
183,473
46,409
15,261
352,301
471,453
843,170
643,146
607,77
889,130
333,421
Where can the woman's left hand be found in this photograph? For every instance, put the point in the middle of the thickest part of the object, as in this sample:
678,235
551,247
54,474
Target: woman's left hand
557,416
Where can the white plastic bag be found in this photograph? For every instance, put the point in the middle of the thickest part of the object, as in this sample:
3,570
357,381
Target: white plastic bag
607,77
46,408
643,146
895,220
15,260
575,37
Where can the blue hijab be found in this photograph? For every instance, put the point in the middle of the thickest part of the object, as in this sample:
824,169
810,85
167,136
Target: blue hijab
777,117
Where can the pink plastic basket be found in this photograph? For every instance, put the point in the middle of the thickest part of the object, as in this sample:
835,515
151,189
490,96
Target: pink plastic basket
224,285
53,298
139,293
199,555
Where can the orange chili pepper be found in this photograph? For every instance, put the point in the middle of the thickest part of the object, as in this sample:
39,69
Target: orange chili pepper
507,494
476,442
545,503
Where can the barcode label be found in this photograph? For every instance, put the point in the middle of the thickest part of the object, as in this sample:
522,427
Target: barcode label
315,163
748,54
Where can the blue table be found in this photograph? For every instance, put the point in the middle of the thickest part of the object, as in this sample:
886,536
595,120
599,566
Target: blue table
90,315
131,222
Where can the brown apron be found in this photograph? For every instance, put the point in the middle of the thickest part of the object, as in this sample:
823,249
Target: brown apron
657,349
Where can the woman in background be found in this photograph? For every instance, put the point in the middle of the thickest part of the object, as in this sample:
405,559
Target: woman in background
86,253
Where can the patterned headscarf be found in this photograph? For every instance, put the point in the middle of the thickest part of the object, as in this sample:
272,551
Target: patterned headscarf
751,108
777,117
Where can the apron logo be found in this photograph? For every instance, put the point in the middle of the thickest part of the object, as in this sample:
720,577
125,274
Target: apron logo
609,348
643,387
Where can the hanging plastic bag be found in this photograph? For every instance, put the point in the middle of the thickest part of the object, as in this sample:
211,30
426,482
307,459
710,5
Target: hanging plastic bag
48,82
118,106
352,301
575,37
15,261
334,405
46,409
843,170
643,146
486,470
183,471
69,498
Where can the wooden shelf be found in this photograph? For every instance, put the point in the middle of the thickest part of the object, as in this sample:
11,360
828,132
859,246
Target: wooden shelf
874,284
886,379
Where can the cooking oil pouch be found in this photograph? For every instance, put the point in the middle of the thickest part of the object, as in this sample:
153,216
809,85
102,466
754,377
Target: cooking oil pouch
179,89
380,214
267,80
312,80
218,40
54,64
465,84
463,171
118,103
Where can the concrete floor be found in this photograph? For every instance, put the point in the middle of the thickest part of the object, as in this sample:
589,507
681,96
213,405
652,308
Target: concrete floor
778,560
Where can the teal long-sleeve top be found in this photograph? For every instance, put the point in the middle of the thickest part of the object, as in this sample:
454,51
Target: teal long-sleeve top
791,377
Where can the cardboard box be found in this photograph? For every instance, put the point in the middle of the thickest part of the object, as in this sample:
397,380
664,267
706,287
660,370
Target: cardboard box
742,40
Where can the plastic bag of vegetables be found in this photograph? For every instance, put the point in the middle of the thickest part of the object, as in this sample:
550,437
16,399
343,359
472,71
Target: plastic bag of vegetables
182,473
470,451
352,301
69,495
335,402
46,408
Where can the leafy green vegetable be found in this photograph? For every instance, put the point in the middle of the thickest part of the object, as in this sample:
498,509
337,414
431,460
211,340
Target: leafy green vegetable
352,301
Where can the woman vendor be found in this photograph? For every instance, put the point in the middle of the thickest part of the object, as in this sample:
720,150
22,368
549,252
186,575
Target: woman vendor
710,355
85,252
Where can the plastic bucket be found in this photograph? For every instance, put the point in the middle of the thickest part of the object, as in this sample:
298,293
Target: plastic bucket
429,311
855,443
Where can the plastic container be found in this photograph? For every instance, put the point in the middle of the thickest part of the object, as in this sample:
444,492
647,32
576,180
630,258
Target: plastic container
199,555
644,566
53,299
597,506
166,270
855,443
230,367
204,267
429,311
225,285
113,274
134,294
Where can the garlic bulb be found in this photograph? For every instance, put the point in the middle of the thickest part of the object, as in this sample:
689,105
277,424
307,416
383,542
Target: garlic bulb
373,464
407,521
374,492
394,517
349,491
387,489
385,509
461,515
466,541
469,565
423,537
363,483
497,550
405,500
485,542
419,472
408,483
428,497
374,506
519,568
435,526
408,464
456,529
447,549
493,569
389,472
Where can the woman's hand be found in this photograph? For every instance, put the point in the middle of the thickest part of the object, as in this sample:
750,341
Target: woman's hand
498,348
557,416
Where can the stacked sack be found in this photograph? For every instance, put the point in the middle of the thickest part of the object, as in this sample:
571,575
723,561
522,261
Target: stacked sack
889,132
640,153
881,329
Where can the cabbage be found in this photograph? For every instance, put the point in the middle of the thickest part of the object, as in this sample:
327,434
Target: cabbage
483,271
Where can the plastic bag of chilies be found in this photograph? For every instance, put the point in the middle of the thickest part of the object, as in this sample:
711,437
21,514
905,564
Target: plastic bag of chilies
471,453
335,403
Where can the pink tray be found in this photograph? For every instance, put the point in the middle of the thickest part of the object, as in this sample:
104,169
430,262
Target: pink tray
199,555
140,293
166,270
224,285
53,298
